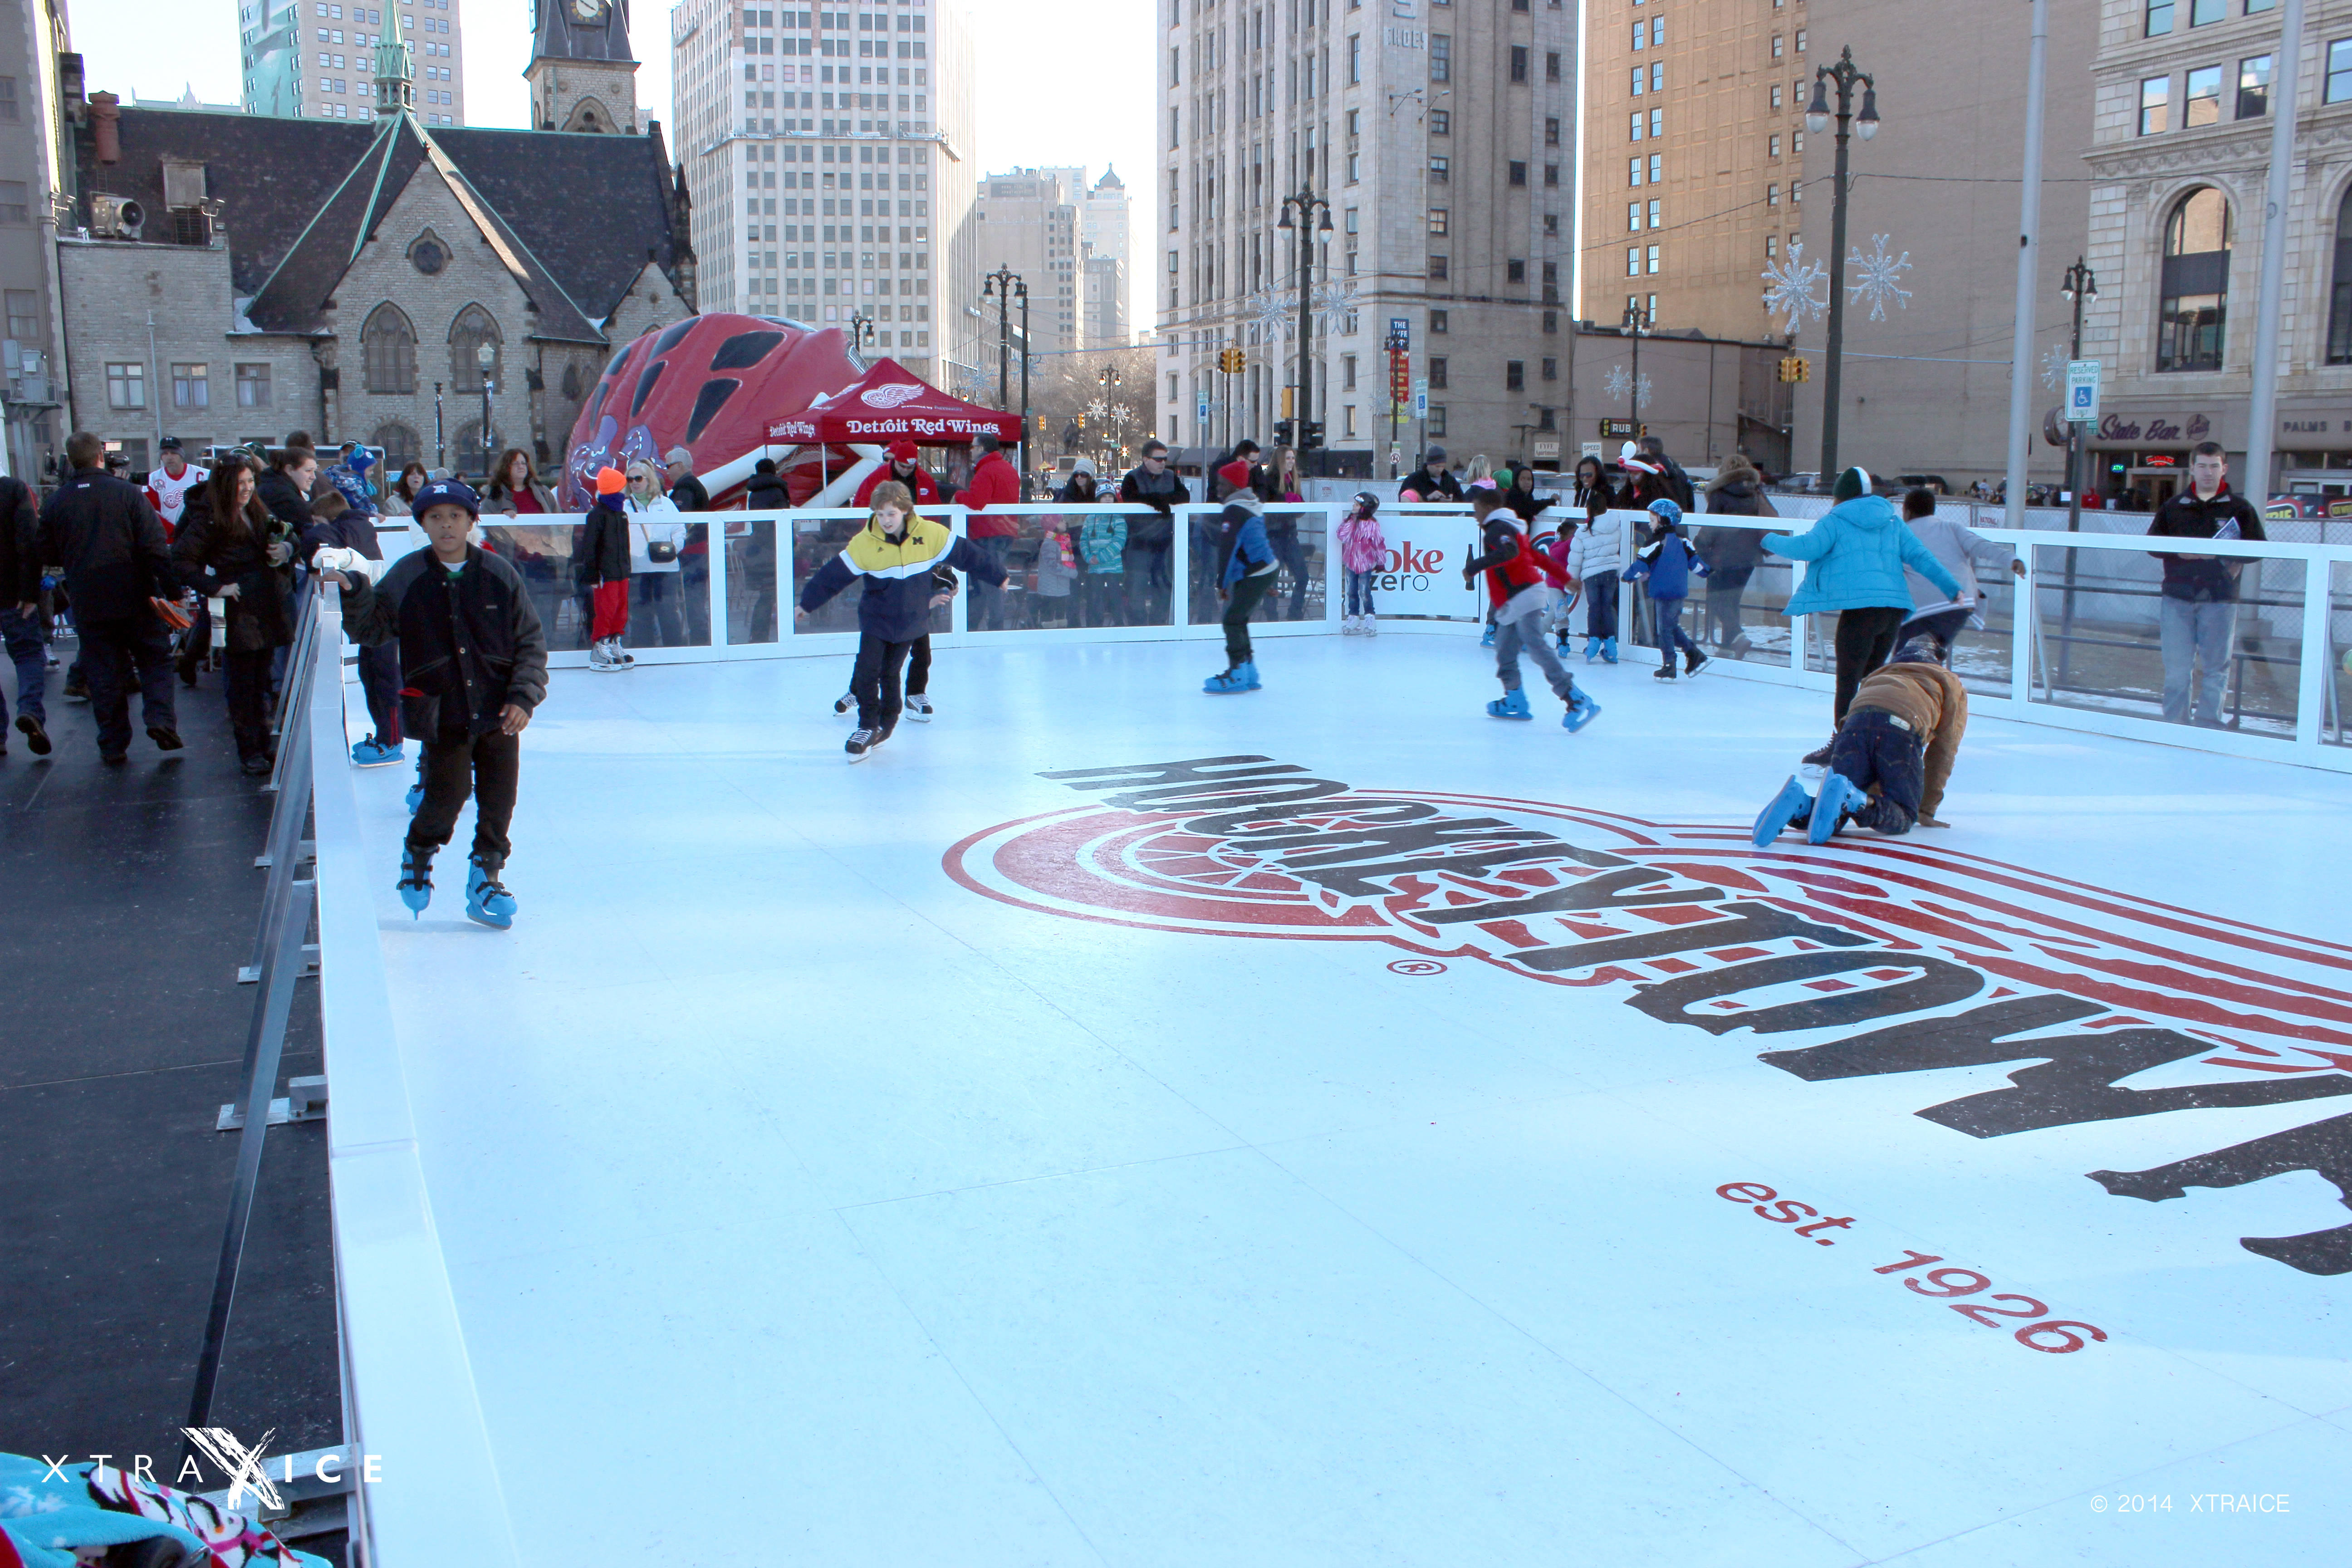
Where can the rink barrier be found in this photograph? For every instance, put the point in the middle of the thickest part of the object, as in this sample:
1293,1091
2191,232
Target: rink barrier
1442,605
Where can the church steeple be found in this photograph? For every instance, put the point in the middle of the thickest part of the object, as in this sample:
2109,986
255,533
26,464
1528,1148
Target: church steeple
395,79
581,75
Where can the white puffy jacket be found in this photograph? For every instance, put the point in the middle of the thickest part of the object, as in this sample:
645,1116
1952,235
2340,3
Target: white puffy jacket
1597,549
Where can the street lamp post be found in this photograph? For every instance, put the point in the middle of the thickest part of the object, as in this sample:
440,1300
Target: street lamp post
999,286
1637,322
861,330
1846,75
440,440
1301,212
486,356
2081,288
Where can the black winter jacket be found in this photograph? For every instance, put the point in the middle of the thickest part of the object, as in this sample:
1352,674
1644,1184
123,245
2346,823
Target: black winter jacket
112,544
602,553
349,531
287,504
1139,489
471,642
1429,486
2214,578
766,492
209,560
20,544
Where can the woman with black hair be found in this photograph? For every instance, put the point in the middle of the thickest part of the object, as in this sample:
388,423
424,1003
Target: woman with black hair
241,554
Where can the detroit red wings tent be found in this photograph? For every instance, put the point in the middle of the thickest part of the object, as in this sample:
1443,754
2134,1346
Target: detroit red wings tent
889,404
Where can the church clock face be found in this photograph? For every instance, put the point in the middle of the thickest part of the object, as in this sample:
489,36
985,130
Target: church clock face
589,10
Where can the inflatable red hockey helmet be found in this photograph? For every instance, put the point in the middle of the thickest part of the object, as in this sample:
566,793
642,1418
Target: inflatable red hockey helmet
708,384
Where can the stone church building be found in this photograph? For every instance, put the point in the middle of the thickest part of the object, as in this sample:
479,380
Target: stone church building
235,276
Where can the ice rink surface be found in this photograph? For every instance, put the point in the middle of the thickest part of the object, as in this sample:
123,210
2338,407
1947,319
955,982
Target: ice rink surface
931,1162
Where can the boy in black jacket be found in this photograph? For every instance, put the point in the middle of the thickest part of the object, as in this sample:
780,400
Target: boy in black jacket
473,662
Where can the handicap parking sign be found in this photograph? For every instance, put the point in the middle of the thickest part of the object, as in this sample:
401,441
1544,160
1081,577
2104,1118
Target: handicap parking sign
2082,389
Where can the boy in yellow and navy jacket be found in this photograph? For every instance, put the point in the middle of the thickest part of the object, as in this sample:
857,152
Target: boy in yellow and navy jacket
895,553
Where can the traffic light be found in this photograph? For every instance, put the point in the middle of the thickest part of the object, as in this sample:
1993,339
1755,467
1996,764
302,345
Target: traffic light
1795,367
1232,362
1282,432
1310,435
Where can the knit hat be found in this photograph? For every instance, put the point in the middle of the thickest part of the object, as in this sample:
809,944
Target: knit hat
902,450
1666,511
1083,466
611,481
1921,650
1436,456
1851,484
1235,474
445,492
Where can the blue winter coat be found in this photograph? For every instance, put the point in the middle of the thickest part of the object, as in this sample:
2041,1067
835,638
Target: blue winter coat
1667,566
1858,549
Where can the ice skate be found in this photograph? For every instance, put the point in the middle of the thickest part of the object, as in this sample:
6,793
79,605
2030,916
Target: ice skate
1581,710
1510,705
601,657
416,796
1839,794
1780,810
487,902
861,743
1487,640
845,702
415,884
1609,651
1665,670
1694,661
918,708
373,753
1242,676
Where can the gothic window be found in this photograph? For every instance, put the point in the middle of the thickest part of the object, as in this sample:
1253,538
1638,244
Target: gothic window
427,254
472,329
388,349
401,446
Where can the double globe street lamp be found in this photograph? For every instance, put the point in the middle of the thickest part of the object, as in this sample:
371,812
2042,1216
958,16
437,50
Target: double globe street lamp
1845,75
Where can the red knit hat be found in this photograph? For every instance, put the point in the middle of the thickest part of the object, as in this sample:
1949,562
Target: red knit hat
1235,474
902,450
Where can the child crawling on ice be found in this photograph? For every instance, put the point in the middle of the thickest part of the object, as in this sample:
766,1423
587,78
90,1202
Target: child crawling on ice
1892,756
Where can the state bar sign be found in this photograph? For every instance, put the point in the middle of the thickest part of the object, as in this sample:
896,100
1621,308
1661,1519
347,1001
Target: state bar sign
1884,956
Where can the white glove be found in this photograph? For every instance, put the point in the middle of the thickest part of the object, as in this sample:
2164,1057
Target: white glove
349,562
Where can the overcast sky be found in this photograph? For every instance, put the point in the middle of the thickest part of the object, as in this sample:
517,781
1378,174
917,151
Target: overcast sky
1065,86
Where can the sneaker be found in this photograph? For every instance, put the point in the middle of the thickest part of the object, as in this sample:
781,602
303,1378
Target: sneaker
36,737
114,759
415,884
918,708
845,702
487,902
372,753
166,739
76,686
861,744
254,764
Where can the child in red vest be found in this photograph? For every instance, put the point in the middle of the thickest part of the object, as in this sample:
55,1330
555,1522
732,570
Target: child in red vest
1516,577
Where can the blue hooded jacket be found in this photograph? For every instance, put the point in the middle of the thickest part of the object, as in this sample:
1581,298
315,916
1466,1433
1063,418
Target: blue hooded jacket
1859,549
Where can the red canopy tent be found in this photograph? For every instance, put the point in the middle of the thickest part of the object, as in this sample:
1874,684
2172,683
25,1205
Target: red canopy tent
892,403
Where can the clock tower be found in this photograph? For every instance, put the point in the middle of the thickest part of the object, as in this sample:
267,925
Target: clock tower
581,75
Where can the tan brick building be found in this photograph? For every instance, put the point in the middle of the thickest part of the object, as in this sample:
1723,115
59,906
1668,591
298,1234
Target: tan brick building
343,279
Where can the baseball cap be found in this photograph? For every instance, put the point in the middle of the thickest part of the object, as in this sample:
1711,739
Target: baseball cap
445,492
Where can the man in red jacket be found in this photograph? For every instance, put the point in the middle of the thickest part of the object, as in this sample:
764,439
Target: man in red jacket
993,483
902,468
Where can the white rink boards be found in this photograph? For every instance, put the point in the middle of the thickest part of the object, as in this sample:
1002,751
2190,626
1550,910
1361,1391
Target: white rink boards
937,1161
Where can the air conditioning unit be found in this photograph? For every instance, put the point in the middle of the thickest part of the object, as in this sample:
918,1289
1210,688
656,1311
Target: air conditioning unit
116,217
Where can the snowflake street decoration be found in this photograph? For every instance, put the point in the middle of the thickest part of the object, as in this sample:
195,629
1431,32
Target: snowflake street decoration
1275,311
2053,366
1881,276
1621,386
1799,288
1334,300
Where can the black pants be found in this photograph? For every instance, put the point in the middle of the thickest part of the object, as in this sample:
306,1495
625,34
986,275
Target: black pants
1145,582
1243,599
875,681
197,646
1864,638
918,666
1724,591
486,767
114,654
1873,747
245,676
1944,626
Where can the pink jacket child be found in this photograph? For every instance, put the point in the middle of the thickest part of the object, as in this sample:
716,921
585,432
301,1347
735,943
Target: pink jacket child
1362,552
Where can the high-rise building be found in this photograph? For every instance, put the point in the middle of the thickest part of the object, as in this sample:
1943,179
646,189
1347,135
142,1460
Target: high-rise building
317,58
41,102
793,125
1026,221
1105,224
1694,153
1442,138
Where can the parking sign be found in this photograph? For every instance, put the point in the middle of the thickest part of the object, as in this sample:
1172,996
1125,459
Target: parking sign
2082,389
1421,399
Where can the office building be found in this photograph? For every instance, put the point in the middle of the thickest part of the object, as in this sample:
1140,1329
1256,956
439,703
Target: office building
1441,138
1027,221
316,59
41,90
791,125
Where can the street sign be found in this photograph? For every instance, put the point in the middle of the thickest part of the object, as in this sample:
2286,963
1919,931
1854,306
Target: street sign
1546,449
2082,391
1400,333
1420,398
1201,406
1622,427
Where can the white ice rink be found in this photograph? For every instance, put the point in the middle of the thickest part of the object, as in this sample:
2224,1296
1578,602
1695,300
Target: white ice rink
932,1163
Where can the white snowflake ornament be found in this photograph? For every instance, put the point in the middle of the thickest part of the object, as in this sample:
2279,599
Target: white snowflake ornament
1880,276
1799,288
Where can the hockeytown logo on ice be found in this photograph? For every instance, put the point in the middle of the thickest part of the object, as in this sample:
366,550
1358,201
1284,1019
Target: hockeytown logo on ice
1906,959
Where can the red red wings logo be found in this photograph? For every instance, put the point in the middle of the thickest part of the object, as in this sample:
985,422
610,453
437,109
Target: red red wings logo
1875,956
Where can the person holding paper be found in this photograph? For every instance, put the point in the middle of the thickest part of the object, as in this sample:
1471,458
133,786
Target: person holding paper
2200,607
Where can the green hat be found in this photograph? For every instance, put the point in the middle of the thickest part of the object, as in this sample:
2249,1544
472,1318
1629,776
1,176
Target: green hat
1854,482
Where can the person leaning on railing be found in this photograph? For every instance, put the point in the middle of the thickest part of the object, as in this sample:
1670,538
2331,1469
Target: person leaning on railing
1154,484
2200,592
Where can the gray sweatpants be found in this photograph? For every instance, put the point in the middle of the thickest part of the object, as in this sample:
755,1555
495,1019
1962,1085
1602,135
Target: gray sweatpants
1520,624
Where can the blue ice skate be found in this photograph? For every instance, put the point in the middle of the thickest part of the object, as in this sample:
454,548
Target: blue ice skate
1242,676
487,902
1510,705
372,753
1488,640
1609,651
415,884
1581,710
416,790
1780,811
1838,796
1591,649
